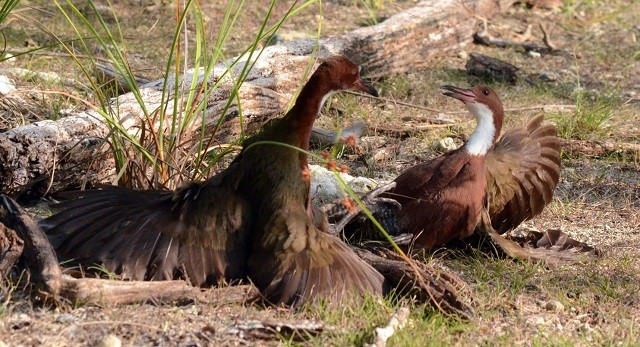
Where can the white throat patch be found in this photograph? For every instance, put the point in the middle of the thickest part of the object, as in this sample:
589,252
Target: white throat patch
482,138
324,100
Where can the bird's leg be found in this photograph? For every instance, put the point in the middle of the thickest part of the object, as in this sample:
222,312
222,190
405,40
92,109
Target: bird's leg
511,248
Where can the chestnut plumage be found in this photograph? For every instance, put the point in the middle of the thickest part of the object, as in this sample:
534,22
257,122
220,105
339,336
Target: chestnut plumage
252,220
511,179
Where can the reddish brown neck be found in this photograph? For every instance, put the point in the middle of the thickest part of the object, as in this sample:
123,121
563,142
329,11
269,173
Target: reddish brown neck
307,107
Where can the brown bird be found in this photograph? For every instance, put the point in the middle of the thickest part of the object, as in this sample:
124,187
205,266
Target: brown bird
486,183
253,219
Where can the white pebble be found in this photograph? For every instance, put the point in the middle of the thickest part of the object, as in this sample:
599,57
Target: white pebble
534,54
110,341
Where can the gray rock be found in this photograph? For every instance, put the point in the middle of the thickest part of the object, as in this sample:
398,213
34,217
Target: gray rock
554,306
66,318
549,76
6,85
325,187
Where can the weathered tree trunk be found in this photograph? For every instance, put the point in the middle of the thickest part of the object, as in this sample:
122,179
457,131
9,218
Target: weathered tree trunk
10,249
70,149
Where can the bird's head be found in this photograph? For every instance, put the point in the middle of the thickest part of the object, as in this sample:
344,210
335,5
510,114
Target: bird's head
480,100
341,74
483,103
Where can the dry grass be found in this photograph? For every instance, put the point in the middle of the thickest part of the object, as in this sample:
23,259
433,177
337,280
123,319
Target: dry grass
597,200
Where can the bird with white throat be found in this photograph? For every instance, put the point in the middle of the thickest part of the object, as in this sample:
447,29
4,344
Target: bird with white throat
507,180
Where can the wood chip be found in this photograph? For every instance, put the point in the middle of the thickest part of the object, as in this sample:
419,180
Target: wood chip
397,322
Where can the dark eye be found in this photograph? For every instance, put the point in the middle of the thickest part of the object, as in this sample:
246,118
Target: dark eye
485,92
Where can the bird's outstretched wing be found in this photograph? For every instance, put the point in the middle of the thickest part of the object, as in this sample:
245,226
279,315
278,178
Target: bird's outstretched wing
197,232
300,263
522,171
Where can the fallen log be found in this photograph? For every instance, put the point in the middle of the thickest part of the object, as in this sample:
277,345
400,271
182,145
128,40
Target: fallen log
593,148
484,38
72,150
103,292
485,66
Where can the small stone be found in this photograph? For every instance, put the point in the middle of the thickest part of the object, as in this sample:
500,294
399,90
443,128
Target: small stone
446,144
585,328
536,320
381,155
534,54
66,318
110,341
549,76
463,55
629,94
554,305
6,85
8,57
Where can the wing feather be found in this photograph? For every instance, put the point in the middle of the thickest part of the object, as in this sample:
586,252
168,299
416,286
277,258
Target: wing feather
522,171
199,231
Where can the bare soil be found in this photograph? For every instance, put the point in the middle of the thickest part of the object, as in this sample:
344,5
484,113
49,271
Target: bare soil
597,200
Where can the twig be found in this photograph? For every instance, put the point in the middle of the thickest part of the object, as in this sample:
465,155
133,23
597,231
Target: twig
395,102
546,108
397,322
298,330
526,35
368,199
409,129
546,38
445,122
484,38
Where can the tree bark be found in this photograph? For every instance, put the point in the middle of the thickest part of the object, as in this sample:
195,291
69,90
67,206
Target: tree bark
10,249
72,151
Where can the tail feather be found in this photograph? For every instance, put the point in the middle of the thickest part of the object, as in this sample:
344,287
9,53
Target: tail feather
332,272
